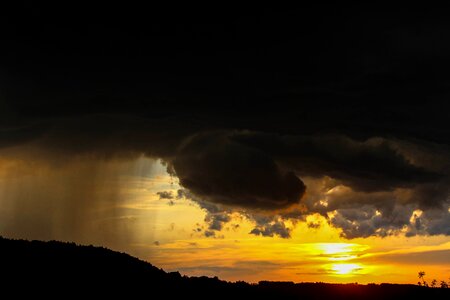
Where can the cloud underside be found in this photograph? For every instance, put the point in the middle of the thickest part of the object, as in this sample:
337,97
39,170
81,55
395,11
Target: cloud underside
371,186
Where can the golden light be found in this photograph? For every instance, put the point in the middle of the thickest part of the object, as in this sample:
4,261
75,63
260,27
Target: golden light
345,269
338,251
335,248
342,253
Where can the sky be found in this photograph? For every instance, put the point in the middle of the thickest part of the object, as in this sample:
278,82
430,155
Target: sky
300,145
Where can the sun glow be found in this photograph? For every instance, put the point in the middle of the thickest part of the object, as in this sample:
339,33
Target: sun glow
338,251
345,269
336,248
345,254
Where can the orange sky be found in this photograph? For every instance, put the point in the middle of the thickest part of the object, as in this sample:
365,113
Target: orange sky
124,213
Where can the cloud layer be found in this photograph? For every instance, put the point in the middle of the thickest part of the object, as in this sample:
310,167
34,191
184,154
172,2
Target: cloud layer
266,115
364,187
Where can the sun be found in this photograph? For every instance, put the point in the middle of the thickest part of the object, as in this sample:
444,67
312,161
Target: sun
340,259
339,248
345,269
335,248
338,251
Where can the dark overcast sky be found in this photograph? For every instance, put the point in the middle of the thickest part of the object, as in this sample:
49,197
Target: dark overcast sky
358,96
306,70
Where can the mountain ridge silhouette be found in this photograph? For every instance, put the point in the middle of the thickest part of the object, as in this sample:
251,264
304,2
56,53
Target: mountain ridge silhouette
58,269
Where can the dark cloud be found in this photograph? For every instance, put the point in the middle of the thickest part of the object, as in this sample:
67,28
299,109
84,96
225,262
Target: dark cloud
367,221
272,229
270,226
433,222
181,194
390,218
218,215
209,233
13,136
216,221
432,195
218,169
362,214
369,165
165,195
226,171
374,185
259,114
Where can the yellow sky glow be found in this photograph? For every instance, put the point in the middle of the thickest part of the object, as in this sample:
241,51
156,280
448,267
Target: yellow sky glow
140,223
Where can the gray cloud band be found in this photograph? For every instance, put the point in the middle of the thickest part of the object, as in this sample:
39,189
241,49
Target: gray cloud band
265,172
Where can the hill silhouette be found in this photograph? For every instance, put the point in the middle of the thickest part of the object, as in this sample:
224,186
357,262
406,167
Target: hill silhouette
59,270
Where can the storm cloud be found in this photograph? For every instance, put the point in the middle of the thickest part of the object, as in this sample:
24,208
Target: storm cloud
218,169
348,123
254,172
271,228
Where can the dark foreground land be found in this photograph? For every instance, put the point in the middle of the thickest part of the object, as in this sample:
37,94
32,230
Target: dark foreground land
64,270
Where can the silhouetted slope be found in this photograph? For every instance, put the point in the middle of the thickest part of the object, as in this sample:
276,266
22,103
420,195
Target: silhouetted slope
59,270
48,268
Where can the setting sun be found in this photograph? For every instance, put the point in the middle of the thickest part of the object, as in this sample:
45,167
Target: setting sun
345,269
338,251
340,248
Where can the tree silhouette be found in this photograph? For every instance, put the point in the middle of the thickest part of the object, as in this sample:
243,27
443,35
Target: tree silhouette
433,283
444,284
421,276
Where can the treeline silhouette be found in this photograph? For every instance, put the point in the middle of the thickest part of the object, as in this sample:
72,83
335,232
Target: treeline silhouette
64,270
